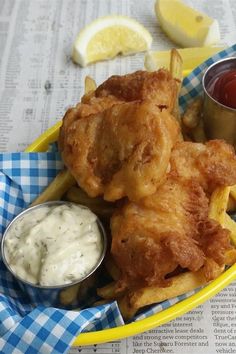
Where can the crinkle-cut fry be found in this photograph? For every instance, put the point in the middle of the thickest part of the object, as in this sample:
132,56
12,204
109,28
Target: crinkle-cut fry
218,204
97,205
111,267
89,85
230,224
192,115
69,295
180,284
57,188
176,69
231,206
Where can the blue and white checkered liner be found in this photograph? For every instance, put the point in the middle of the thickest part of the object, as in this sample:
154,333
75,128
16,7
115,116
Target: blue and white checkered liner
192,83
35,328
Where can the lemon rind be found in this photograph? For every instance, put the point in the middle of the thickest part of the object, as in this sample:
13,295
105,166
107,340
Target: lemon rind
84,37
207,35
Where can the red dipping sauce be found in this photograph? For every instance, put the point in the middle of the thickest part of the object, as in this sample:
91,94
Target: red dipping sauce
223,88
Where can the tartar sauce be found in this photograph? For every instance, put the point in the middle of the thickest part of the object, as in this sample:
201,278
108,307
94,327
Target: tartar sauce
54,244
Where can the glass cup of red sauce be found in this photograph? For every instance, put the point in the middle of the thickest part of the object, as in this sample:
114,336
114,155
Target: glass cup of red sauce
219,109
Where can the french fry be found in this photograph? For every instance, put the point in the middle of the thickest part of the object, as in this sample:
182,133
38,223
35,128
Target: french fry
69,295
108,291
230,257
89,85
176,66
176,69
231,207
212,269
64,180
126,309
57,188
233,192
231,226
181,284
218,204
97,205
192,116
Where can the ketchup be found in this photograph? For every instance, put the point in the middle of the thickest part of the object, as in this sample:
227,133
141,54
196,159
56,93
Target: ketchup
223,88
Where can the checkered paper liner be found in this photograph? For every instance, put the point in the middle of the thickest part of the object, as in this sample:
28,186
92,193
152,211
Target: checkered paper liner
27,327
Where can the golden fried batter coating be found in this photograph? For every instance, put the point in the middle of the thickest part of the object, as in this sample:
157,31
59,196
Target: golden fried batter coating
150,238
171,228
90,105
157,86
118,140
212,164
122,151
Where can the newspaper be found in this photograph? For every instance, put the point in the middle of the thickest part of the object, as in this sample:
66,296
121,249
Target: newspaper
39,81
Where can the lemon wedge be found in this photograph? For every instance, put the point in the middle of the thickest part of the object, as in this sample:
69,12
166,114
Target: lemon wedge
192,57
186,26
109,36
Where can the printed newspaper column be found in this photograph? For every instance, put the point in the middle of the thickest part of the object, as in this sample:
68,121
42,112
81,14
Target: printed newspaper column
223,311
186,334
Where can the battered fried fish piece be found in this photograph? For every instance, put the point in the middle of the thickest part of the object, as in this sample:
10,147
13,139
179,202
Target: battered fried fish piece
89,105
122,151
118,140
212,164
157,86
170,228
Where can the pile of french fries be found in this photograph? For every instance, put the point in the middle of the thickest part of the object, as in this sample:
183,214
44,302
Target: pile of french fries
222,201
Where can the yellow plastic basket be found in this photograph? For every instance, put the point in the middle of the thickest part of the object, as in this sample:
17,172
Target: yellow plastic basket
107,335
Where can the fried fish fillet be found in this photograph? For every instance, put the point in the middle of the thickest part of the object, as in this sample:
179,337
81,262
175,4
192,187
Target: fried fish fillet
171,228
122,151
212,164
118,140
90,105
157,86
151,237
